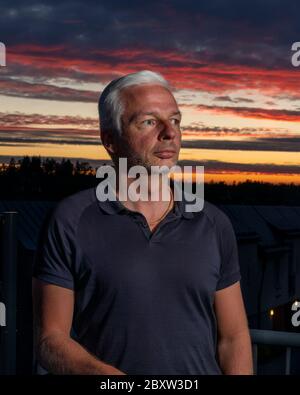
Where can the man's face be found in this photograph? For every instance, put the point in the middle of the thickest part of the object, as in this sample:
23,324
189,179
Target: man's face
151,134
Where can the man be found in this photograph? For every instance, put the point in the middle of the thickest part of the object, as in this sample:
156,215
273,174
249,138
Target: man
146,286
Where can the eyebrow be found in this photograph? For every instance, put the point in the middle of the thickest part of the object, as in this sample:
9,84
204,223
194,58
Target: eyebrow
139,113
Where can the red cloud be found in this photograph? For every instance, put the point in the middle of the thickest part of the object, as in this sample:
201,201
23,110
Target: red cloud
183,70
258,113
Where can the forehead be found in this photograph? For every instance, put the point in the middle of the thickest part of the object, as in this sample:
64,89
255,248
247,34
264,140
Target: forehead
148,97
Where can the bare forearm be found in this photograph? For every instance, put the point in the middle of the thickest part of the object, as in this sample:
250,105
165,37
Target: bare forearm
60,354
235,355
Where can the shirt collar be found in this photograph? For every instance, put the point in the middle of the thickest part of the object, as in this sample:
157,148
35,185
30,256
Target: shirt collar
116,207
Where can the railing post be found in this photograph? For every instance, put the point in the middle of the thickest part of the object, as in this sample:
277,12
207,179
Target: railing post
288,361
8,275
255,356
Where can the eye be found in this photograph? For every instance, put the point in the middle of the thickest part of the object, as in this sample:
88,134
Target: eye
149,122
175,121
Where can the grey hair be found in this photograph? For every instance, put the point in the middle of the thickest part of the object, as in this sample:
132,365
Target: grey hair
110,105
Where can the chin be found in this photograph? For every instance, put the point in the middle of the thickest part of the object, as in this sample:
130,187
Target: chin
165,162
168,162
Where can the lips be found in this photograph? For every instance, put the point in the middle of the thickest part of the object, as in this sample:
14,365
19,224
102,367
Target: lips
165,154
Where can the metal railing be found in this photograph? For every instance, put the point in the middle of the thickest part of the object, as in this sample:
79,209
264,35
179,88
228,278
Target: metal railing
8,276
275,338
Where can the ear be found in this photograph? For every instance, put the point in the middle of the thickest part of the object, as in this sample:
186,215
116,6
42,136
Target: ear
108,142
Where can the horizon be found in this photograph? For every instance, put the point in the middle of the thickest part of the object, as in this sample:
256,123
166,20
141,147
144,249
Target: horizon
208,177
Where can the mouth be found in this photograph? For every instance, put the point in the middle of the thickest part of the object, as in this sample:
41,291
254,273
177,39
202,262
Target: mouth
165,154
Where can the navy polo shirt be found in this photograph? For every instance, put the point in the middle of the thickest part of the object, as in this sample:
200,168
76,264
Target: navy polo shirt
143,300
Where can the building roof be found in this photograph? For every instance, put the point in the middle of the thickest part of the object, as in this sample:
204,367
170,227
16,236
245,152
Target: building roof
264,221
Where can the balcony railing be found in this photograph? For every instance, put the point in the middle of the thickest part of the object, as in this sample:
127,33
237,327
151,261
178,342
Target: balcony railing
275,338
8,283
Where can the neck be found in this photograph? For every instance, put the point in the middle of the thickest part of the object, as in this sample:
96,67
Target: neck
154,197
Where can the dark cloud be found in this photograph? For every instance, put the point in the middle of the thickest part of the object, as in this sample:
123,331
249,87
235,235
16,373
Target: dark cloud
253,112
50,134
200,128
28,136
258,144
243,100
223,98
235,100
217,166
11,87
232,32
20,120
28,141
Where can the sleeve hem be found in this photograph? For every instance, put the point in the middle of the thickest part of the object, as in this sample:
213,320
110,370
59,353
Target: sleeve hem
230,280
52,279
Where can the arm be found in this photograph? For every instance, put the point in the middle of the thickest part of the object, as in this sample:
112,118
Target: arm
234,343
56,351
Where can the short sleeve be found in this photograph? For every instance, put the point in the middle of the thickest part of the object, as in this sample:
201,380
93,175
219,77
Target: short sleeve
55,253
230,268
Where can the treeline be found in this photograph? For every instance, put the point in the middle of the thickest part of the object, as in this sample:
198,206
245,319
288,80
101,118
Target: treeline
35,179
32,178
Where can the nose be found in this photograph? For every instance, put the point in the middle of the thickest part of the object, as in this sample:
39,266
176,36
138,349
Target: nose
167,132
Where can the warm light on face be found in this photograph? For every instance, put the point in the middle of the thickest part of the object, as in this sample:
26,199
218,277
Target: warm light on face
151,126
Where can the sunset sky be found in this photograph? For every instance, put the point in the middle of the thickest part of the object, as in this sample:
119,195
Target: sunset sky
229,63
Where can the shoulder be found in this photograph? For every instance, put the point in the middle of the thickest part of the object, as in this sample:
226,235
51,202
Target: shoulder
223,228
217,217
70,209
